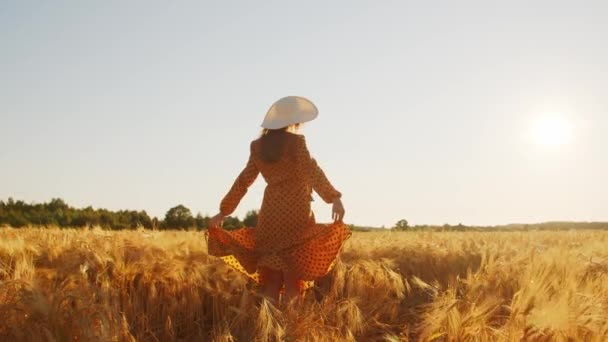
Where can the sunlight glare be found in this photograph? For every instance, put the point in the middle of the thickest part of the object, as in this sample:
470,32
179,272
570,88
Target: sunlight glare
552,131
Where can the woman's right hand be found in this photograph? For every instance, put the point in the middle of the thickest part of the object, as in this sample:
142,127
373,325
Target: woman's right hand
337,210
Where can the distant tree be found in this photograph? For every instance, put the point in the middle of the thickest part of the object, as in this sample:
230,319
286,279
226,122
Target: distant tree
130,219
401,225
16,219
179,217
251,219
143,219
201,222
232,222
58,213
3,213
107,219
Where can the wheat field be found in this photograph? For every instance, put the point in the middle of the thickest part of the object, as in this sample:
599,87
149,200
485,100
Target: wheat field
96,285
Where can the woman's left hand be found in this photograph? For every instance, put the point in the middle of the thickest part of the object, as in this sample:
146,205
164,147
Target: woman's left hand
216,221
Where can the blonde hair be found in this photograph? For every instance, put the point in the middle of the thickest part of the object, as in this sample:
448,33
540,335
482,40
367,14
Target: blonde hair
291,129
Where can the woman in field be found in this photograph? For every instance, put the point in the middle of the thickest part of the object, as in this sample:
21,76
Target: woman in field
287,249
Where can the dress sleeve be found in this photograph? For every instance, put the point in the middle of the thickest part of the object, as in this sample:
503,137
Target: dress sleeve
240,186
312,172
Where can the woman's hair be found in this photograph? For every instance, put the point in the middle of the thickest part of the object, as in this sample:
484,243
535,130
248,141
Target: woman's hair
274,142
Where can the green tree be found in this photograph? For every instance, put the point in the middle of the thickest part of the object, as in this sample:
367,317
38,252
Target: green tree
58,213
401,225
232,222
16,219
179,217
201,222
251,219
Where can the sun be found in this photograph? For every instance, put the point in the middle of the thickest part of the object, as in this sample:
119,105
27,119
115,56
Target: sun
552,131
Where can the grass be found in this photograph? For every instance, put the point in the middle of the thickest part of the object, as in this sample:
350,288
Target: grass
87,285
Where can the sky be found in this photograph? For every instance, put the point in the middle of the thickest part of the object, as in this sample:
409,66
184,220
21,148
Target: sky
473,112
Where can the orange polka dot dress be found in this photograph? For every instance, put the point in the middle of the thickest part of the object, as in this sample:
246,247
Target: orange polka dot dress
286,238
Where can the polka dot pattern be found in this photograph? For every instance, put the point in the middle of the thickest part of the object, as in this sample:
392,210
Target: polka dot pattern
287,237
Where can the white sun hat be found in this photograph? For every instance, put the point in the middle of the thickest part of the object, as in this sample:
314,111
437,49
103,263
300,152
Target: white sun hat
289,111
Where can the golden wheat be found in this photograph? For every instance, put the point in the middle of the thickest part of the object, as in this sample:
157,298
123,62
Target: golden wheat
95,285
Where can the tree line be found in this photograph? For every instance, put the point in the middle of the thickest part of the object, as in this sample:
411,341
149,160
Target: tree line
403,225
58,213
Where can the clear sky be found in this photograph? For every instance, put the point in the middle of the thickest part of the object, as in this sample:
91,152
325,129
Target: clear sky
437,112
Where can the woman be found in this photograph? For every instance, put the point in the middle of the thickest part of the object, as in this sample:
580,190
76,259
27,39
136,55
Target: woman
287,248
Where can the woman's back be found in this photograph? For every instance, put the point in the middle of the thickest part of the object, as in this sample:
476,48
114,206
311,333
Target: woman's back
282,167
285,213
